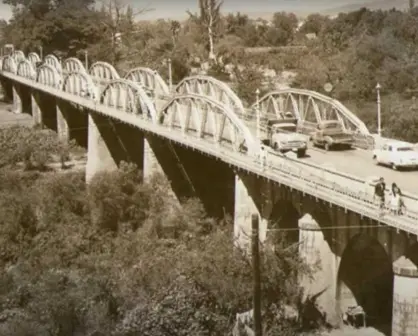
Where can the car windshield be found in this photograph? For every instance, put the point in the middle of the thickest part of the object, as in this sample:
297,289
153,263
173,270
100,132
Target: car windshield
286,128
332,125
405,149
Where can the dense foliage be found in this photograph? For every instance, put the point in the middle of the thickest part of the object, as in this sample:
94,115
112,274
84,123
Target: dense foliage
120,256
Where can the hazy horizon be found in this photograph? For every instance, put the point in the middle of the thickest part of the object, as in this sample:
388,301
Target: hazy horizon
176,10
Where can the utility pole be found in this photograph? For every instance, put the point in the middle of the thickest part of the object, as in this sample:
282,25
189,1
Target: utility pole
255,255
379,120
86,60
257,107
170,75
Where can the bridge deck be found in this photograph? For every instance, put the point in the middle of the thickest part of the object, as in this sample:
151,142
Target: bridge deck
331,187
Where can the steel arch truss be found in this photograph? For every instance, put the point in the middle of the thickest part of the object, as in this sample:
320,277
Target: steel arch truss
150,79
73,64
203,117
26,69
53,61
211,87
34,58
129,97
49,76
9,64
310,107
18,56
103,72
80,84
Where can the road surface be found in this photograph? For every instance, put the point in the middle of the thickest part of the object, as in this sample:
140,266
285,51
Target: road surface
359,162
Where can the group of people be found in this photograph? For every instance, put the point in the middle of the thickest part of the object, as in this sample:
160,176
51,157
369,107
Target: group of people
396,203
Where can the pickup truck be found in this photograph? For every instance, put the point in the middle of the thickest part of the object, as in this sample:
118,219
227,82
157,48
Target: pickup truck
283,137
331,134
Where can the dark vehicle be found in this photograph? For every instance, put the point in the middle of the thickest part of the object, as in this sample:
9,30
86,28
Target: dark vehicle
331,134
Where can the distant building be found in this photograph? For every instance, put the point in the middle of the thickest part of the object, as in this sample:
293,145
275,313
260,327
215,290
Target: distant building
311,36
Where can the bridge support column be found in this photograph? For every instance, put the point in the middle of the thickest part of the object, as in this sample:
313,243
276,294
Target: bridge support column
17,100
62,123
36,110
2,90
316,252
99,157
151,165
405,298
244,208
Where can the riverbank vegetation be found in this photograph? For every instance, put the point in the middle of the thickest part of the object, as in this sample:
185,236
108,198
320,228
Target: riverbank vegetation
120,257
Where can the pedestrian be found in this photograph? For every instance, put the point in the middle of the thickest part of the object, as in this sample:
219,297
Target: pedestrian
379,193
397,203
395,199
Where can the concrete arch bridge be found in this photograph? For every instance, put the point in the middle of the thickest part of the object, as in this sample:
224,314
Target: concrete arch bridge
199,136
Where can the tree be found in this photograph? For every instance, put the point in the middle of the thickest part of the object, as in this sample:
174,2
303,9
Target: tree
209,19
56,26
175,30
314,23
284,27
117,18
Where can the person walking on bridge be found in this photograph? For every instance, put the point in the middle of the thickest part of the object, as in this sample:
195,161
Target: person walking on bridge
396,202
379,193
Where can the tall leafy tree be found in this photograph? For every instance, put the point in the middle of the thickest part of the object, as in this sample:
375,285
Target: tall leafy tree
59,26
209,19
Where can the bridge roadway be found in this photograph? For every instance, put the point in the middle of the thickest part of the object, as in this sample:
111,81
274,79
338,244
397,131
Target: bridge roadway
356,162
350,194
359,162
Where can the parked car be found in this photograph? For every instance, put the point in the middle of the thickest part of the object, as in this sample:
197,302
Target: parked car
331,134
396,154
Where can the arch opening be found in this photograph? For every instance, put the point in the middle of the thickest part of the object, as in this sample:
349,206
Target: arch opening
213,88
365,278
128,97
310,107
204,118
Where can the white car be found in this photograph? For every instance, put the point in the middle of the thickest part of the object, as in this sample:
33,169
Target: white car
396,154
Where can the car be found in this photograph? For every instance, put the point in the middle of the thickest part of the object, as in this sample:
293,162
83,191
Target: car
331,134
396,154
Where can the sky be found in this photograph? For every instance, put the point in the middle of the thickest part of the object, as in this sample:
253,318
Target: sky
176,9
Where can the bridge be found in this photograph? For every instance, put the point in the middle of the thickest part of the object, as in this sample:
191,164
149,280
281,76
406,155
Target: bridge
200,135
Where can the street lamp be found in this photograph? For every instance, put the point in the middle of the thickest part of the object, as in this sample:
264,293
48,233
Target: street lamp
86,59
170,75
257,108
379,121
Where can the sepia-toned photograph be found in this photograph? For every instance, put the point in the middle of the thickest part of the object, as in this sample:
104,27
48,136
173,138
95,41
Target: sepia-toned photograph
208,168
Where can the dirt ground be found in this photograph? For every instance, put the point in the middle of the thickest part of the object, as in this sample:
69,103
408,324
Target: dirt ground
8,118
348,331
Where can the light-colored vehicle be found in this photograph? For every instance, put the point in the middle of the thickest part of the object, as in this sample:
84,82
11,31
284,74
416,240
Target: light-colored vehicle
396,154
331,134
283,137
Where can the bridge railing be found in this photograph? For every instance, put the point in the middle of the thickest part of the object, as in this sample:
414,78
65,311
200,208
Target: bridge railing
354,183
342,184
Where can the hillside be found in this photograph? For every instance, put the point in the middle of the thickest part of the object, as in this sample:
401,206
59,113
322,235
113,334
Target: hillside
372,4
329,8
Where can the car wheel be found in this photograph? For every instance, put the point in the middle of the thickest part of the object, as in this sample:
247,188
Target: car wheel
275,146
327,146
